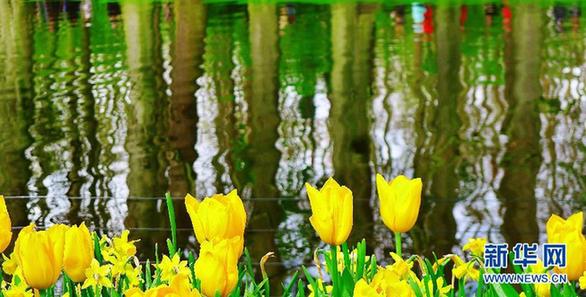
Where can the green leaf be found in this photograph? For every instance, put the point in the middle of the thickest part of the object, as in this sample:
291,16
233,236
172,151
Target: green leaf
248,262
97,249
526,287
347,283
360,259
311,281
481,285
170,247
505,290
346,253
147,274
172,222
415,287
300,288
287,289
461,288
191,264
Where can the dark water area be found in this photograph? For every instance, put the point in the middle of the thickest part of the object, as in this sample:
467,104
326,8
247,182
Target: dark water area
104,107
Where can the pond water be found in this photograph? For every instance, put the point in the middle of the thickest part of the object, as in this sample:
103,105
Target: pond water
104,107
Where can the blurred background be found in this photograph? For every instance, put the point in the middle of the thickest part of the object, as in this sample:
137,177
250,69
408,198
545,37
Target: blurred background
107,105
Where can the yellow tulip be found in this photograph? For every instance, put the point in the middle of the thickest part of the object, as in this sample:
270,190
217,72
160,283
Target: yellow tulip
217,268
575,257
40,255
332,210
569,232
217,217
556,226
399,202
5,226
78,252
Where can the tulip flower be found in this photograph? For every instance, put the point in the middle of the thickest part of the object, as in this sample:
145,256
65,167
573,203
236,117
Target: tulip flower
78,252
217,268
40,255
569,232
331,209
5,226
557,227
217,217
399,202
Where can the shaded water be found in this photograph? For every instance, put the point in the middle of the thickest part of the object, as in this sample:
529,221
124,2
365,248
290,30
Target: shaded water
106,106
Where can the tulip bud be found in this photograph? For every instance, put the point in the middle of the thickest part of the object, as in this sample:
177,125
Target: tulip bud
217,267
5,226
331,209
217,217
399,202
40,255
78,253
569,232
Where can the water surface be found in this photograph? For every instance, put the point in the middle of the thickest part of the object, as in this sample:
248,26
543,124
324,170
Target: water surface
104,107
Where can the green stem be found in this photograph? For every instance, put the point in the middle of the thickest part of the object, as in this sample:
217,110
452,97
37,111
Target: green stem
398,244
335,277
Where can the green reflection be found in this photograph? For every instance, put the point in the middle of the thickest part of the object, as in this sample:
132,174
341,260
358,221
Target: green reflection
522,159
145,111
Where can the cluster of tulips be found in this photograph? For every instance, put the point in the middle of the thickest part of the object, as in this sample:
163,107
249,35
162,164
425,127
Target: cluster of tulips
72,261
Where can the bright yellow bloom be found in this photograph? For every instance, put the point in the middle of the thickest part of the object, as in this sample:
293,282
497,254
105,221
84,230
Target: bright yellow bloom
332,210
217,217
5,226
475,246
464,270
400,289
569,232
401,267
40,255
18,290
133,274
399,201
78,253
122,246
9,265
387,281
582,281
172,267
179,287
217,268
134,292
557,227
363,289
97,275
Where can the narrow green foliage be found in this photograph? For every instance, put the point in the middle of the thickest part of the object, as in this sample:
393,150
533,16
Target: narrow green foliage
97,248
287,289
173,224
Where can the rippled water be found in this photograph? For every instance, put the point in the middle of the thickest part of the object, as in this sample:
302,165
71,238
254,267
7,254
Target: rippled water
106,106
